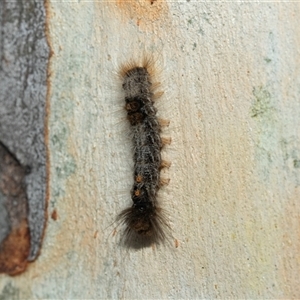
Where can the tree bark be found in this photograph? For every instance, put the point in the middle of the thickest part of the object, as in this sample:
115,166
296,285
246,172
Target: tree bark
24,57
230,77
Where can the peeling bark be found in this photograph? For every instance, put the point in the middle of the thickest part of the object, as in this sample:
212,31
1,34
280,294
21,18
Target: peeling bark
14,240
24,56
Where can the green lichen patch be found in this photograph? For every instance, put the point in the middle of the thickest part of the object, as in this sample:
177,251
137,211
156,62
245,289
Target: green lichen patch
296,163
10,292
264,112
67,168
262,107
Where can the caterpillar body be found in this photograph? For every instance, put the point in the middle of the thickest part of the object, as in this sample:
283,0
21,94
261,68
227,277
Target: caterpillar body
144,219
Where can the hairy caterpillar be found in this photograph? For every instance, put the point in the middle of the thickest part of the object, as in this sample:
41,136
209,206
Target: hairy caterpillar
144,220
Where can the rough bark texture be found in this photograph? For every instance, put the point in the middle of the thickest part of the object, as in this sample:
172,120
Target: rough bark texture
24,57
231,77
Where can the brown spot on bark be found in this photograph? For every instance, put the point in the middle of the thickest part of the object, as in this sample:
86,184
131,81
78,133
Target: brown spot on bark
145,12
14,250
54,215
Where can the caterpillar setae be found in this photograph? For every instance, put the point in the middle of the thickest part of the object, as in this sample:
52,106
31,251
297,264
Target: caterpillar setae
144,221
